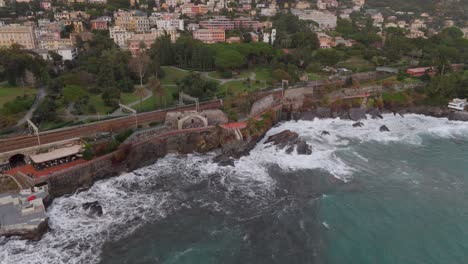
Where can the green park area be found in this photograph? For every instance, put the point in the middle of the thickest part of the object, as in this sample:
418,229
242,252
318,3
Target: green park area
158,101
8,94
357,64
172,75
14,103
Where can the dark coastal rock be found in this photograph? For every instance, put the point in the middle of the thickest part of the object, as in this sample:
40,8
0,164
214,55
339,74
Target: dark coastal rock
323,112
290,140
324,133
374,113
283,138
309,115
384,128
358,124
303,148
425,110
235,151
357,114
458,116
94,208
226,162
344,115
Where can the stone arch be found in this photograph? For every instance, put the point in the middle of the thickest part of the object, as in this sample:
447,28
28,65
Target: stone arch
17,160
192,120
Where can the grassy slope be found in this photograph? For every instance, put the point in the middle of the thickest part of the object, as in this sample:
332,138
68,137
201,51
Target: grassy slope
10,93
171,75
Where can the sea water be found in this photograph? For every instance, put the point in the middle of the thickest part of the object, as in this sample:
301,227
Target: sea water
363,196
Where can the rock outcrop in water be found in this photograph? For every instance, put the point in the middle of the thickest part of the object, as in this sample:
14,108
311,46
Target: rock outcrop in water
290,140
358,124
458,116
94,208
375,113
357,114
384,128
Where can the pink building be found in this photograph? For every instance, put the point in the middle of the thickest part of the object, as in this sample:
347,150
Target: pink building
99,24
218,23
46,5
210,35
418,72
244,22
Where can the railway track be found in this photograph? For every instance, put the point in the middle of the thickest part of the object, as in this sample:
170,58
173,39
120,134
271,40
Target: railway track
119,124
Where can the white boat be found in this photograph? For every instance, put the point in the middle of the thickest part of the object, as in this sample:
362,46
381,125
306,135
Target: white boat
457,104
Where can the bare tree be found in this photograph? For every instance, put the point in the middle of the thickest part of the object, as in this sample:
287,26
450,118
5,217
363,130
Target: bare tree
140,92
139,65
158,90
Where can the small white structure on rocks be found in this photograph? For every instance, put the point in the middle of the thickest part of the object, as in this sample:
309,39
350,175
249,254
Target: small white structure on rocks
457,104
23,212
193,119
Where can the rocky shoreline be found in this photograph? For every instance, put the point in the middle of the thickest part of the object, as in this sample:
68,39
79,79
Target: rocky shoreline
357,114
28,234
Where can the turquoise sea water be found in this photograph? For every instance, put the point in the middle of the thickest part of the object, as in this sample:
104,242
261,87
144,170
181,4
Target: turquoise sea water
363,196
412,208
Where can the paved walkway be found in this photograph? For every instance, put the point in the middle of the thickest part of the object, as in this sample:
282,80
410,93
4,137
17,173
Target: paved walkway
41,94
252,76
118,111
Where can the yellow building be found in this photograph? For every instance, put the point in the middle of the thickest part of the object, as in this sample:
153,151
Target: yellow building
17,34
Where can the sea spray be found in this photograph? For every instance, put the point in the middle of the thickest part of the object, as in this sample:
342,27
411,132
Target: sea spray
268,184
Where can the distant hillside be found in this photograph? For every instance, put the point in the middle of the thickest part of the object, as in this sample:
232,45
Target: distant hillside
457,9
404,5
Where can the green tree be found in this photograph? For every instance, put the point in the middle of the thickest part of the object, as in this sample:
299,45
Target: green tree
196,86
228,59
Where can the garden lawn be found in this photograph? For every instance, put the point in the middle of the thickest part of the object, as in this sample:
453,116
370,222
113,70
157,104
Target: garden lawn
154,102
99,104
234,88
217,75
127,98
8,94
357,64
315,77
263,74
171,75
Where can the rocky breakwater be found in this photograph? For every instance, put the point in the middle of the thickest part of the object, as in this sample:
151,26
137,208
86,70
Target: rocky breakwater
290,141
458,116
147,152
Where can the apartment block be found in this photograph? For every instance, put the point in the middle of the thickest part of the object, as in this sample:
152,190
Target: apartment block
17,34
210,35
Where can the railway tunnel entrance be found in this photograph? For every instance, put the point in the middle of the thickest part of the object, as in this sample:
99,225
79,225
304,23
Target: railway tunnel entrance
17,160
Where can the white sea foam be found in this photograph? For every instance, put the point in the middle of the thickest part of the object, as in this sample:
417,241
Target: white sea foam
129,200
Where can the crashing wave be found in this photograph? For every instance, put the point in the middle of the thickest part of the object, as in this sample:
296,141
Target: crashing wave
152,193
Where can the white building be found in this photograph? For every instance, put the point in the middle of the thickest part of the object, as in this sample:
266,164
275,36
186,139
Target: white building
268,12
325,20
120,36
170,24
270,37
67,53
